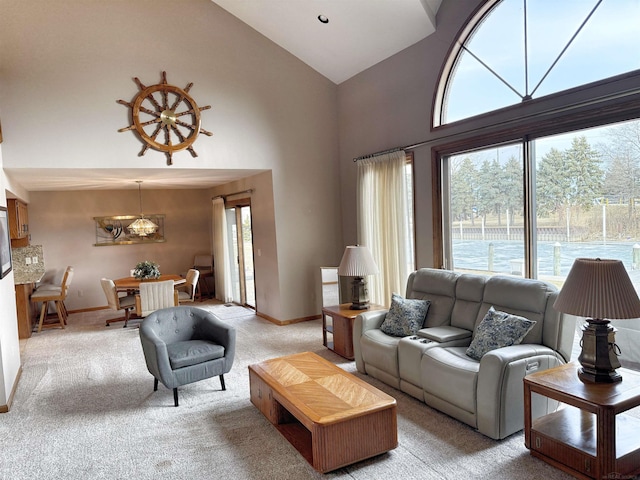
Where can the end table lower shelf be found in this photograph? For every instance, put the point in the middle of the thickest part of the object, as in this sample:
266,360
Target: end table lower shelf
590,437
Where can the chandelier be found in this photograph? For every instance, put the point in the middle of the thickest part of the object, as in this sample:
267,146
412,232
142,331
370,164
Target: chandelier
142,226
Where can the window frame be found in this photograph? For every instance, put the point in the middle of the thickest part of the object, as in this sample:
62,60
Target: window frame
611,107
610,100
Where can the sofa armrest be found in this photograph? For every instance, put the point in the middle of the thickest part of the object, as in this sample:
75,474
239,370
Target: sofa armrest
363,322
500,394
224,334
445,333
155,354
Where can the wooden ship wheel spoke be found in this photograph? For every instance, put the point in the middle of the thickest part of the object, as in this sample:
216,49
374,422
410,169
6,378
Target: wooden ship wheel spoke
166,108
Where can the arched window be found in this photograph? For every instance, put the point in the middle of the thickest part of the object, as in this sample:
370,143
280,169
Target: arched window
536,125
513,51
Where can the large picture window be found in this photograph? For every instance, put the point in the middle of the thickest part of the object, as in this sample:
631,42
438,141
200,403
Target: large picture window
584,187
538,109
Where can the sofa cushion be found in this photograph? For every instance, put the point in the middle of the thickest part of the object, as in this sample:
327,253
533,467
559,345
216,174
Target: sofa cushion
451,376
405,317
192,352
380,351
496,330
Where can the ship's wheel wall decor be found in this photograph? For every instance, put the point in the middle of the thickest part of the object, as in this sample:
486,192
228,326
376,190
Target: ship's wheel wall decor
165,117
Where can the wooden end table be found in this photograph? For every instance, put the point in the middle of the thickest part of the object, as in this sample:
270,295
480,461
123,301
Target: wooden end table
341,327
591,437
331,417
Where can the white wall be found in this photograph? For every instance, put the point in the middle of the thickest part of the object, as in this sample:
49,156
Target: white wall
64,65
9,344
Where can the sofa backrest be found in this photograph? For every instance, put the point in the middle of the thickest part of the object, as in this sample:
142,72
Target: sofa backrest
462,300
469,294
532,299
437,286
519,296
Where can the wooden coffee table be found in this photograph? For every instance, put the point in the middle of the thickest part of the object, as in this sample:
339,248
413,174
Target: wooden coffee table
332,417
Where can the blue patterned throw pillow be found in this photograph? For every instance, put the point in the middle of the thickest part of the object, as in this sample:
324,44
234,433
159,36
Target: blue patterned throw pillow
496,330
405,317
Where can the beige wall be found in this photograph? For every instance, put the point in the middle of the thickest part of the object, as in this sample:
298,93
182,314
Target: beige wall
62,222
64,65
390,105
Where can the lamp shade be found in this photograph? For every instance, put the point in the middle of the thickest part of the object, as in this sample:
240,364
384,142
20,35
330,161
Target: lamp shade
599,289
357,262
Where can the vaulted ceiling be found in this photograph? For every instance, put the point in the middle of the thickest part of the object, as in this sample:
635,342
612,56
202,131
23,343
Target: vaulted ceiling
339,38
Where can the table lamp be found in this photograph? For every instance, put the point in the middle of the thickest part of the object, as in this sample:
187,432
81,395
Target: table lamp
600,290
357,262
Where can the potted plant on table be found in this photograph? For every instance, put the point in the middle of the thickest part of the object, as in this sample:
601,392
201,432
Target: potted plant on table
146,270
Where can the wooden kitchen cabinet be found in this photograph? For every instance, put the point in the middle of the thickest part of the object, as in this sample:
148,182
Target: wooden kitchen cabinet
18,222
26,314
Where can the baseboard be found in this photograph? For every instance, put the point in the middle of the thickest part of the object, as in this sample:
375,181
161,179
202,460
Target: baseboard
259,314
5,408
287,322
90,309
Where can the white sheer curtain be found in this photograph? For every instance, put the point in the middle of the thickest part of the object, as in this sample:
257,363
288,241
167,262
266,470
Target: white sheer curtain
221,255
383,222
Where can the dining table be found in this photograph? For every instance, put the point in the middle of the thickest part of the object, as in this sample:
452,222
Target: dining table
132,283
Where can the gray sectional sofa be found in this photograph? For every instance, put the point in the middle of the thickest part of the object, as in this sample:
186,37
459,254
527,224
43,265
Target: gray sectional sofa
433,365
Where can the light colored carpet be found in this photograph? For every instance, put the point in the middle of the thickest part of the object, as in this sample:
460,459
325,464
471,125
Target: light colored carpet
85,409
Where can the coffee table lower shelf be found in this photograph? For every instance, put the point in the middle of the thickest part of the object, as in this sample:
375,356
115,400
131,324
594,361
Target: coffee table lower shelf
334,440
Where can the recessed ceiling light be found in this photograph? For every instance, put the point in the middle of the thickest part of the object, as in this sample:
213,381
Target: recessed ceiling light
323,19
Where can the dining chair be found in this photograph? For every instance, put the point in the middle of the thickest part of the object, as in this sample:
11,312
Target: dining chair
116,302
57,295
204,265
155,296
191,286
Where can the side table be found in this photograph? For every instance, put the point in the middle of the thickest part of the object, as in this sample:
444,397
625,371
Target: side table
590,437
341,327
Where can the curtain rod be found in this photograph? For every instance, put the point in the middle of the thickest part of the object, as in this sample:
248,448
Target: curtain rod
391,150
231,194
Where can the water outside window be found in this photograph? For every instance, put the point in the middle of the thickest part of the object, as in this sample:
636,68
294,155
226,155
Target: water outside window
486,210
586,199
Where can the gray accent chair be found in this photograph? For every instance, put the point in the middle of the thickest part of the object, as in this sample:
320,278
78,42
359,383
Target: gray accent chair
184,344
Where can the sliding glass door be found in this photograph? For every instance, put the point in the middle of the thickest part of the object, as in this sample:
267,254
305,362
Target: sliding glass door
241,245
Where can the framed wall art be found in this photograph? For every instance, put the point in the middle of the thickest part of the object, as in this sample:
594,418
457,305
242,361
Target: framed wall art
114,231
5,243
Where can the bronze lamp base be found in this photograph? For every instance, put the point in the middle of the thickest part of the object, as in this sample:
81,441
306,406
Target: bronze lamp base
599,355
359,294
